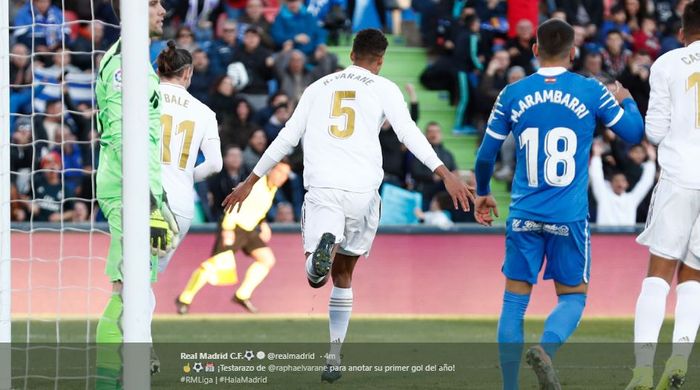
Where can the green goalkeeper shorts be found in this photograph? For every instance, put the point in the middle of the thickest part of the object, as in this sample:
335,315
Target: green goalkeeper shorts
112,210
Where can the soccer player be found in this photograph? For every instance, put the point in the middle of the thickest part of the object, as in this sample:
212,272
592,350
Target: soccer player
338,119
188,126
552,115
109,194
247,230
672,231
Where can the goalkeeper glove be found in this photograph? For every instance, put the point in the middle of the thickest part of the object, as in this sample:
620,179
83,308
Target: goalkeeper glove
161,235
172,222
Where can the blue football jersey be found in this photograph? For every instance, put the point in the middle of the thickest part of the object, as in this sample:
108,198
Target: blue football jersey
552,115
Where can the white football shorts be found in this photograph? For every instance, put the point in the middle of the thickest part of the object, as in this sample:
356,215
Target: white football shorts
352,217
672,226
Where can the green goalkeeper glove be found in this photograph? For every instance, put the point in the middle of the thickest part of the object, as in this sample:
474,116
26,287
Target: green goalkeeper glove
161,235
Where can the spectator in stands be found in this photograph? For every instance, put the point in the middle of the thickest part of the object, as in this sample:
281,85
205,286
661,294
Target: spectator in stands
426,182
393,151
294,77
40,25
80,212
616,206
635,77
222,50
438,212
262,116
645,38
241,125
202,76
636,11
258,63
197,15
284,213
184,38
253,17
220,185
520,47
47,190
20,205
255,149
294,27
492,82
67,148
615,55
592,65
582,11
507,169
617,22
277,121
467,57
20,72
22,155
580,45
221,101
91,37
62,62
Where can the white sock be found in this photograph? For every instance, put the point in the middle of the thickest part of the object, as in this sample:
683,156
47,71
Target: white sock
687,317
648,318
339,310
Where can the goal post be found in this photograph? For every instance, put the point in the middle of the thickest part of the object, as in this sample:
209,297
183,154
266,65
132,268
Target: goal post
5,265
135,187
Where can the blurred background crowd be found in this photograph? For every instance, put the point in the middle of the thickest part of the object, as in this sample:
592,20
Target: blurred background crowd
253,59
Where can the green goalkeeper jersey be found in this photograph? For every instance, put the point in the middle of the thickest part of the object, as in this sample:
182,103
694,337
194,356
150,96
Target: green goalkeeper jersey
108,90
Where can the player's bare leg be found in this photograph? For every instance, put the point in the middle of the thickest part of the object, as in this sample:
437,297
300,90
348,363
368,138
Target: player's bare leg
649,316
319,263
256,273
339,310
687,319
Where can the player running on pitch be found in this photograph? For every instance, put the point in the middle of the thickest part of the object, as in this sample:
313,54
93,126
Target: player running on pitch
188,126
552,115
247,230
109,194
338,120
672,232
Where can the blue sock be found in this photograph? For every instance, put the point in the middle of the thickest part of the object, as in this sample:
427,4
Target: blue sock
562,322
510,337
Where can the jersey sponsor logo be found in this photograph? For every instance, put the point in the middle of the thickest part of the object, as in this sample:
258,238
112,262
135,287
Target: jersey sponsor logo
559,230
519,225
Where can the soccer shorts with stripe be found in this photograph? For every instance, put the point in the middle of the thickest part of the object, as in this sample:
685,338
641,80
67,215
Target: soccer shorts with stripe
566,247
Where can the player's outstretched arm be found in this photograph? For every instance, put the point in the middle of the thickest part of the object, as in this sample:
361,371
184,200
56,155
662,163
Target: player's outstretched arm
239,194
461,193
485,207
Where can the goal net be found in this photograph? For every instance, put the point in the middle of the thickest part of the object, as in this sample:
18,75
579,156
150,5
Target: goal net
56,289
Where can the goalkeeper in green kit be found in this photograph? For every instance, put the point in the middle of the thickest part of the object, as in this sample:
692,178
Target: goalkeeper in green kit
109,195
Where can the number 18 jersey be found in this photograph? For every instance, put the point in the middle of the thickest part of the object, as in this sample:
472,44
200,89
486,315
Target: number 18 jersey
552,115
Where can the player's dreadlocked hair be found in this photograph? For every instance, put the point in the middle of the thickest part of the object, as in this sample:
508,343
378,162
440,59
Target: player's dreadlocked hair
369,43
691,18
172,61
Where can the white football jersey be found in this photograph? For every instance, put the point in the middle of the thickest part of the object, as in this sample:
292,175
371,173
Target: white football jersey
673,117
186,123
338,119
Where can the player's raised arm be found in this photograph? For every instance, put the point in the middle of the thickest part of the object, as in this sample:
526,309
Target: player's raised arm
287,139
410,135
619,112
658,119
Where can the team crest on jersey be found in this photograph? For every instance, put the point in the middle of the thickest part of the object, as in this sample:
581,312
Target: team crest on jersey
117,82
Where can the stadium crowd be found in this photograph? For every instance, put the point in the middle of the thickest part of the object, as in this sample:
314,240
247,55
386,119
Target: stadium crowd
253,59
